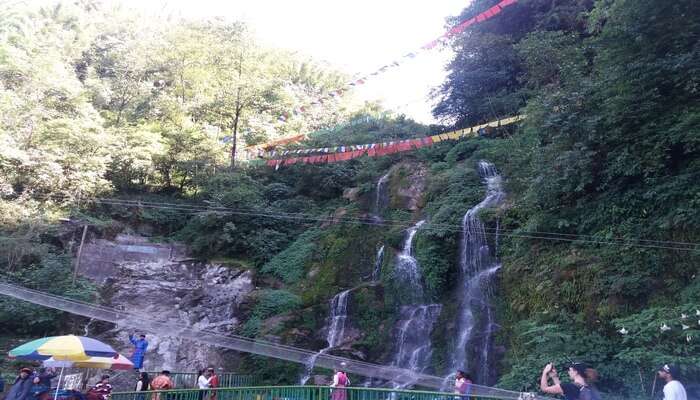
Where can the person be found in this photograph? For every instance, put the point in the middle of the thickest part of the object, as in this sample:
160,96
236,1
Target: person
22,388
213,382
2,384
582,378
340,381
143,384
673,389
40,391
162,382
203,382
46,375
101,390
463,383
139,353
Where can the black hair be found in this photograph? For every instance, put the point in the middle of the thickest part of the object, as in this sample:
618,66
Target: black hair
165,372
104,377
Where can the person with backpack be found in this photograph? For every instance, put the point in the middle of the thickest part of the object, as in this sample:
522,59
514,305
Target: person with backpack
340,382
463,383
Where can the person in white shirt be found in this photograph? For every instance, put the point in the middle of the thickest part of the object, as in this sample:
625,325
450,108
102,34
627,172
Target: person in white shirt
673,390
203,382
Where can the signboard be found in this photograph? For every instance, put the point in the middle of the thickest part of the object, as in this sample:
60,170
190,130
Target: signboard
72,381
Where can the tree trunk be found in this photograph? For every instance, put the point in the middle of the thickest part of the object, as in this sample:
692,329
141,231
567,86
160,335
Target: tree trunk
234,138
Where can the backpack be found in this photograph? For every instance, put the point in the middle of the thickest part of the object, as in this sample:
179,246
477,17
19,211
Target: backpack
588,393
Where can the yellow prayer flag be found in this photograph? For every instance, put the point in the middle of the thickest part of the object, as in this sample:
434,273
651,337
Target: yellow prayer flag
436,138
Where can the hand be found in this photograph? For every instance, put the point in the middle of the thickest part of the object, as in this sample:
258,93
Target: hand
548,368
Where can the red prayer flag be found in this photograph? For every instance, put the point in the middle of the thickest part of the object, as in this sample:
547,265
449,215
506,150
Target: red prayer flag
495,9
506,3
430,45
480,18
372,152
488,13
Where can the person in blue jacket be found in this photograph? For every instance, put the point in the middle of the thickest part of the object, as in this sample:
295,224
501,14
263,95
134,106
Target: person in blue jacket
22,388
140,347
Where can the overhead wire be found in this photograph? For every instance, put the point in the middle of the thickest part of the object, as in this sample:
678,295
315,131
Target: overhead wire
516,233
435,227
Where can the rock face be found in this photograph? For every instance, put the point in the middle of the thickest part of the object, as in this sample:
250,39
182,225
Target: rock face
155,280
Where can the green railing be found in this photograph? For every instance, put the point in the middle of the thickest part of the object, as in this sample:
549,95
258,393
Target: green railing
186,380
290,393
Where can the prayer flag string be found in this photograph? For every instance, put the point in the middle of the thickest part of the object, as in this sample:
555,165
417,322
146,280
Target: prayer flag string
455,30
349,152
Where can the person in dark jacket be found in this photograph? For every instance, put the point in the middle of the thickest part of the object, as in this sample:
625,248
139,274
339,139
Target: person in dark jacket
46,375
22,388
39,390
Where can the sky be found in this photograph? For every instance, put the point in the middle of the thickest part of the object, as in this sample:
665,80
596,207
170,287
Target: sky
356,37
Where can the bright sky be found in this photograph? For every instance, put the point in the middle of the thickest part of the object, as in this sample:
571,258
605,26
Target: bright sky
356,36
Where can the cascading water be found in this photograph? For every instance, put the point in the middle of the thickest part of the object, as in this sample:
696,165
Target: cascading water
407,268
478,266
380,198
335,329
377,273
413,347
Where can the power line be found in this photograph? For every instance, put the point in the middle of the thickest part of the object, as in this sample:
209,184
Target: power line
643,243
300,217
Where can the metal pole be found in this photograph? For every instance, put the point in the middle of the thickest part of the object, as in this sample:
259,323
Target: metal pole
80,253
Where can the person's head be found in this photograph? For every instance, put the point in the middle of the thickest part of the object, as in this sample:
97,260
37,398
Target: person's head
104,379
144,376
142,336
582,374
36,380
165,372
210,371
200,372
669,372
460,374
24,373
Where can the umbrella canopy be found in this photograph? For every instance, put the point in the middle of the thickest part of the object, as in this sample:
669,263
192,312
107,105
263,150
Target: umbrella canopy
63,348
120,362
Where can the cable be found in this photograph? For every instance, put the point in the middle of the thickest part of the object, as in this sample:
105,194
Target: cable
300,217
683,246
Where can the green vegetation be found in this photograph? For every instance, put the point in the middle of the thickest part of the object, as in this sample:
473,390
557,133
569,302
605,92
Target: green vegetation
92,106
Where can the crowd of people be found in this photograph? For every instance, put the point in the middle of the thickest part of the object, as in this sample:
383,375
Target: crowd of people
37,384
583,379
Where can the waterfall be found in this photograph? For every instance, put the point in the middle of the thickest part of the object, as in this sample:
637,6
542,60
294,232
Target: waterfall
475,325
380,197
335,330
407,267
413,347
377,273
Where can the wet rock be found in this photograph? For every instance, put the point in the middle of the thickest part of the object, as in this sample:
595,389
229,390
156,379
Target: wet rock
156,280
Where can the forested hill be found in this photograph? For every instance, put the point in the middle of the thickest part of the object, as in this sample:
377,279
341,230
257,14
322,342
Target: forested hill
598,229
